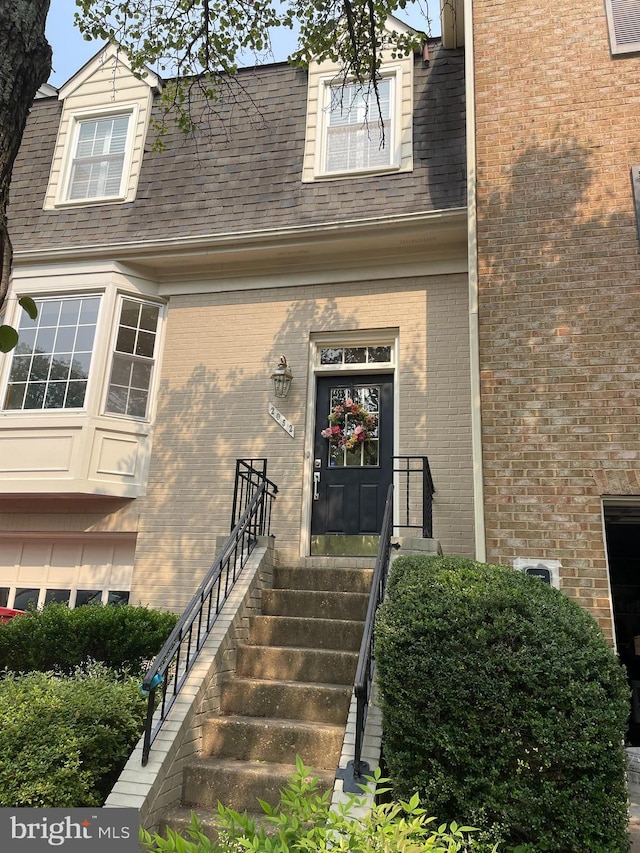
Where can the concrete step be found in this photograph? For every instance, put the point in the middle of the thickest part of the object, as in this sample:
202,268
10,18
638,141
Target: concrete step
239,784
297,631
292,700
272,740
178,818
314,604
335,579
282,663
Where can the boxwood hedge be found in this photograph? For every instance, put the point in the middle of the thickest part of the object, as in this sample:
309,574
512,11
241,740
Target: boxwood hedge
65,739
503,706
56,638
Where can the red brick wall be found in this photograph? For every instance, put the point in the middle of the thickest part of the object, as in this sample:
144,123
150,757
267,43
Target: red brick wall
558,128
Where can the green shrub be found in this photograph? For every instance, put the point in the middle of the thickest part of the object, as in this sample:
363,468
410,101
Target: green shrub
65,739
60,639
303,821
502,705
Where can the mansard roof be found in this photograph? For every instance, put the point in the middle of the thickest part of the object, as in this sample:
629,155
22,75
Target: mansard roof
241,172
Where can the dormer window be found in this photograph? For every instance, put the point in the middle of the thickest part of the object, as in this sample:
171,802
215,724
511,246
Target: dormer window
101,137
359,131
97,166
354,130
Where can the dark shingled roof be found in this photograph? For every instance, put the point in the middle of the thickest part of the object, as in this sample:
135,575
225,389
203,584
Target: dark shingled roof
244,172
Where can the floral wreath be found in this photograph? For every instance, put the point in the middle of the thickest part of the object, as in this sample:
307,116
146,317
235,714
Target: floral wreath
361,422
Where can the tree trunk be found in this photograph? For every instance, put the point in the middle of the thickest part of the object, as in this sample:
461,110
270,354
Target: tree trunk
25,64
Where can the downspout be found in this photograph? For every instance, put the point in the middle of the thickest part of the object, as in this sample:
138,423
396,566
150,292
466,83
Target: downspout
472,250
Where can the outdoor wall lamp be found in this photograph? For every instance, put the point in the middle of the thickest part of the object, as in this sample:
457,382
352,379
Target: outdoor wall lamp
282,377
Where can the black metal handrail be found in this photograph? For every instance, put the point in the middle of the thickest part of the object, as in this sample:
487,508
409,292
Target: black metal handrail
171,666
415,511
358,769
249,475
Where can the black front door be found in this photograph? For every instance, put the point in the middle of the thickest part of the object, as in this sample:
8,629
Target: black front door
352,467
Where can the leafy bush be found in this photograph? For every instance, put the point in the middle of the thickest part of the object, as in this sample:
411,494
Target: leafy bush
503,705
65,739
60,639
303,821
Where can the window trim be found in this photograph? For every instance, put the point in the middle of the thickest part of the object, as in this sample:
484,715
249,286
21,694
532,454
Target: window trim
615,15
76,118
325,85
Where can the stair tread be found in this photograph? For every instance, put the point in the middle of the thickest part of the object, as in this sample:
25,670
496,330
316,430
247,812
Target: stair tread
323,619
274,722
305,649
257,768
282,682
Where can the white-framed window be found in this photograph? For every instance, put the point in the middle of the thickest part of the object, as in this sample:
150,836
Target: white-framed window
623,19
97,166
359,127
98,153
133,359
51,363
51,367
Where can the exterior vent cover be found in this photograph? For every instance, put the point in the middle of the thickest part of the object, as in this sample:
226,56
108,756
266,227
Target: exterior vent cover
623,17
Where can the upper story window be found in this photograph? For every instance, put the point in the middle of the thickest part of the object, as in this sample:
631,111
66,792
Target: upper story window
359,131
133,359
97,166
354,130
623,18
50,366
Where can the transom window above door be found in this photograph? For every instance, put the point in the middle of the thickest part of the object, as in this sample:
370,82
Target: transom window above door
336,356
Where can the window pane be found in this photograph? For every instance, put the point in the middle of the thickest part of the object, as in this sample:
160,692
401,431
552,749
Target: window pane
149,317
118,597
88,596
75,395
141,376
137,404
56,375
331,355
34,398
65,339
21,365
379,354
4,596
70,312
15,396
355,355
59,595
126,340
117,400
55,395
145,344
24,597
121,371
130,313
60,366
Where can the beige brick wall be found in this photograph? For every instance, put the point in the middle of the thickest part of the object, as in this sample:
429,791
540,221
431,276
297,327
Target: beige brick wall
220,350
557,132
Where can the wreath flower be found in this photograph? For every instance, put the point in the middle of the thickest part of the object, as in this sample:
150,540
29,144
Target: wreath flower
349,425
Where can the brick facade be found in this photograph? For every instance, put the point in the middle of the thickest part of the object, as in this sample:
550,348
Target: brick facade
557,133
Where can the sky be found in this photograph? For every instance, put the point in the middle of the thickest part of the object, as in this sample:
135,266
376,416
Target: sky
70,51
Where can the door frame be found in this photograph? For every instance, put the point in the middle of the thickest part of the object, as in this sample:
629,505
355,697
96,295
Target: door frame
317,341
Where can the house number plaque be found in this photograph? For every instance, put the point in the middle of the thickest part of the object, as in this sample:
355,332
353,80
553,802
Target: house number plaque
280,419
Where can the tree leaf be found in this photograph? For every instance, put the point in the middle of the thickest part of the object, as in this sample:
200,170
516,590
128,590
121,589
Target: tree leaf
8,338
29,306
